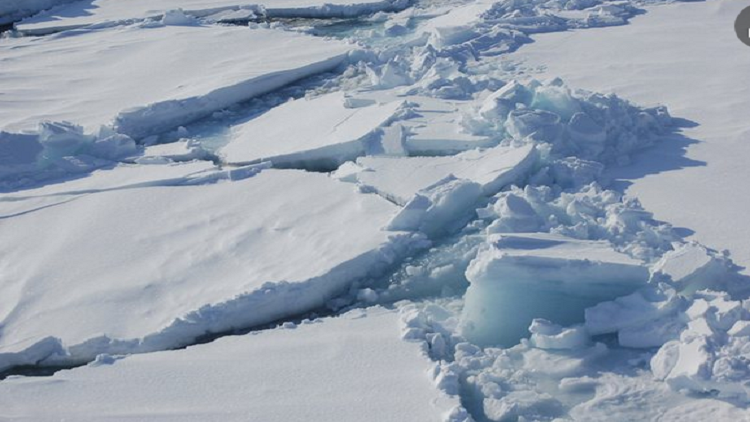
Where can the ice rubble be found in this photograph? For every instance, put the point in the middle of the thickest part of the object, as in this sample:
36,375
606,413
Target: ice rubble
110,12
322,132
317,370
235,233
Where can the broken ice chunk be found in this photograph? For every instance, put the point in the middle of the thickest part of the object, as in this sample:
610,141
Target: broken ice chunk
183,150
646,318
520,277
319,132
547,335
539,124
692,267
439,209
399,178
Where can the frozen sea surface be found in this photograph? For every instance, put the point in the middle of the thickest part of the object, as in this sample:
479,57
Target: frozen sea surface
373,211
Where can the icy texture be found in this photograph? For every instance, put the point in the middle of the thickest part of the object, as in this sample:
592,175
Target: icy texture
303,372
524,276
320,132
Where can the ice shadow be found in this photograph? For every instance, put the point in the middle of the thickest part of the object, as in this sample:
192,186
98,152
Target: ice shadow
666,155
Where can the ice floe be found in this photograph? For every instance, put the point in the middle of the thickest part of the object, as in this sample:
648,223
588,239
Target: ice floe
46,79
322,132
211,256
317,370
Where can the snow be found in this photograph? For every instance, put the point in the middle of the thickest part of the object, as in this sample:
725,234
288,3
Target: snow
519,277
210,256
98,12
318,132
47,78
701,79
352,367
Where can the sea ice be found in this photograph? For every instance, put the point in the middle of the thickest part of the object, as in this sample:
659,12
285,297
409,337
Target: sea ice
351,367
49,79
519,277
322,132
399,178
211,256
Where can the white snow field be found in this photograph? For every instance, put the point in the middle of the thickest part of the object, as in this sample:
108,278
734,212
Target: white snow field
149,79
701,79
425,211
102,12
352,367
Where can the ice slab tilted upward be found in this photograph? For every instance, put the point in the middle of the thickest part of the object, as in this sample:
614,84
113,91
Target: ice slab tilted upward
150,80
321,131
436,129
86,13
519,277
351,368
399,178
176,261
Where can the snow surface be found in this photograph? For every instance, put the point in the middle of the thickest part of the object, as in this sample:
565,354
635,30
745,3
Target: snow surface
205,252
98,12
165,84
701,79
322,131
352,367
